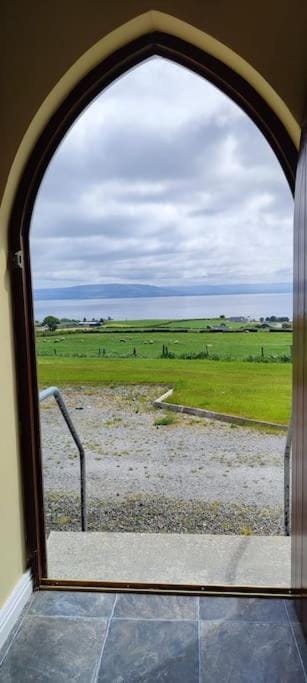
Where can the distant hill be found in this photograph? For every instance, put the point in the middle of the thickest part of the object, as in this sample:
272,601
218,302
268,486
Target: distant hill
134,291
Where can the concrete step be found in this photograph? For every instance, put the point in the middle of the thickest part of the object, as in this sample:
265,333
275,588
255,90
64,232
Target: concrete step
194,559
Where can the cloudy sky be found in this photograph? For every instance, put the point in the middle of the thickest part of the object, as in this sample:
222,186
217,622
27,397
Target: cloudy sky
162,180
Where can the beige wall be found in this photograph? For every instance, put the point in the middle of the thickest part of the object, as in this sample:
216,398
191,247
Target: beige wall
45,48
42,40
11,531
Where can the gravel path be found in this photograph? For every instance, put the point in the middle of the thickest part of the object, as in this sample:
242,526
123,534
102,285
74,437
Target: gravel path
192,475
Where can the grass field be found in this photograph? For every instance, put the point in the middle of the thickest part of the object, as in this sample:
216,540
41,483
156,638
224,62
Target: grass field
126,352
191,323
256,390
235,345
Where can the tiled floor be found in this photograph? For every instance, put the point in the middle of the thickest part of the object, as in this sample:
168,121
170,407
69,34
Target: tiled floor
125,638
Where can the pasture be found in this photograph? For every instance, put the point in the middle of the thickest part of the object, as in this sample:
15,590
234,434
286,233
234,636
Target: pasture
130,341
257,390
238,372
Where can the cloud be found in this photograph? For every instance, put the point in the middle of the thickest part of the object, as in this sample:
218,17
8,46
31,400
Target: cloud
162,180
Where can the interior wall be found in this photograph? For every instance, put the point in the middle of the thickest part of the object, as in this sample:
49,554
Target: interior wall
12,564
45,47
41,41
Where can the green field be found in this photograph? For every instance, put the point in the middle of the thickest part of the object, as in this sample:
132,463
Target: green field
261,391
238,372
191,323
125,344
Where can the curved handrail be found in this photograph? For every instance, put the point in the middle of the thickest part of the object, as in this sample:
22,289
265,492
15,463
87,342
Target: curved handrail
287,456
55,392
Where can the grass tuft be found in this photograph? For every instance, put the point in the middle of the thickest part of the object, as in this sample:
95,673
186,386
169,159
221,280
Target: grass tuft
165,420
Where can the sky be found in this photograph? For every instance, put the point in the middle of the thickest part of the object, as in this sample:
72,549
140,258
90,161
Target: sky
162,180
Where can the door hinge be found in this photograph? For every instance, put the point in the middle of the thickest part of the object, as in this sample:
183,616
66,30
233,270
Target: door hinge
17,259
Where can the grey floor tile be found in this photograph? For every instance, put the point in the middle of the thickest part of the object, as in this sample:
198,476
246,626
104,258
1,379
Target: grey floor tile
297,631
156,607
292,613
238,652
267,611
301,643
151,651
12,635
55,649
72,604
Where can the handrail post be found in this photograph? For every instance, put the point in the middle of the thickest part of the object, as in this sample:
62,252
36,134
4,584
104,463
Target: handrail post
55,392
287,480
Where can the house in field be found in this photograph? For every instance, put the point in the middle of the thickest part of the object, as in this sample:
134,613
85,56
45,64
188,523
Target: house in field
271,326
90,323
237,319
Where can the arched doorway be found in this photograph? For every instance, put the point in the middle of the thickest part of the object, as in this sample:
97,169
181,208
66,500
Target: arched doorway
151,44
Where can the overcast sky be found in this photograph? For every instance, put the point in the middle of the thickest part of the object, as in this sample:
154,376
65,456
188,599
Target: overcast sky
162,180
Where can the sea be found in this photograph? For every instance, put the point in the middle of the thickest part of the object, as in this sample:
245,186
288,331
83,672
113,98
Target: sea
252,306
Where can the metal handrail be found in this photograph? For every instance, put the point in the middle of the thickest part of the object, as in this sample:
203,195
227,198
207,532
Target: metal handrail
54,391
287,455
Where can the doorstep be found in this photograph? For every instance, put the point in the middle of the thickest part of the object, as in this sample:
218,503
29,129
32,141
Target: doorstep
187,559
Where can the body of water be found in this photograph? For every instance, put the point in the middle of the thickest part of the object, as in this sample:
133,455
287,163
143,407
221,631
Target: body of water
169,308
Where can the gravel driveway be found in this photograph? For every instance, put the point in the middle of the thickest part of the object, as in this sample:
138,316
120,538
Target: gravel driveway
194,475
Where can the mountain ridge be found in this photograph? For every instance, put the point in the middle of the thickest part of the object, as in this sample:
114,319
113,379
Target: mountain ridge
134,291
